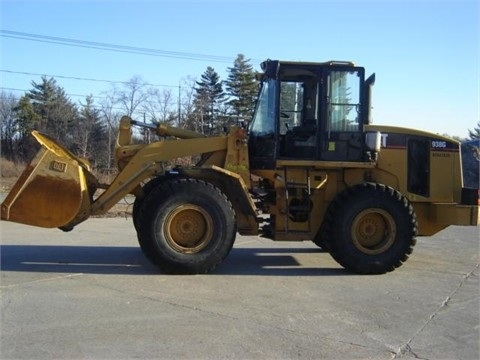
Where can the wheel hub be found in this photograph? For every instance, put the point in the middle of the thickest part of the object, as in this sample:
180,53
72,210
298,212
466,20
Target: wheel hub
373,231
188,228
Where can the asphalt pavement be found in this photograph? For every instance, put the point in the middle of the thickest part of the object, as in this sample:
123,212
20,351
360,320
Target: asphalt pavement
91,294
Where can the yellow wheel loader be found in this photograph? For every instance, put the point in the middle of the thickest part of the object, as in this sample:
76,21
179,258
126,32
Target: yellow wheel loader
310,166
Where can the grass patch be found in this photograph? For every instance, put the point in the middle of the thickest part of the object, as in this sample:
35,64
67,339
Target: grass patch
10,169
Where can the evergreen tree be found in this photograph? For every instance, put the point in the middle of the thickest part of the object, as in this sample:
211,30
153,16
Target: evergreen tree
471,158
26,120
475,133
209,96
242,86
57,113
92,139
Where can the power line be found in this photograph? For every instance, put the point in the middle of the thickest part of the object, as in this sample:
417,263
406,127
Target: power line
73,95
68,94
105,46
78,96
113,47
81,78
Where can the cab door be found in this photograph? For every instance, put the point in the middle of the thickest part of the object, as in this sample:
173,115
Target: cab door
342,113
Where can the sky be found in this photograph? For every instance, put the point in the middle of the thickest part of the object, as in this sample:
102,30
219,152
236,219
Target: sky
425,54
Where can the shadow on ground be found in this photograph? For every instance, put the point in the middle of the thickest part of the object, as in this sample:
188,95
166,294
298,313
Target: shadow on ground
131,261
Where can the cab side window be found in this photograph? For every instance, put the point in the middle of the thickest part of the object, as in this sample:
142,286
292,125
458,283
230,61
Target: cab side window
343,101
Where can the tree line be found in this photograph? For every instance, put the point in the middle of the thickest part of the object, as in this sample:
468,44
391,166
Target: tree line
88,128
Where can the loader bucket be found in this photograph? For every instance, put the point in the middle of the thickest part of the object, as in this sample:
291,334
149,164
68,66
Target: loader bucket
55,190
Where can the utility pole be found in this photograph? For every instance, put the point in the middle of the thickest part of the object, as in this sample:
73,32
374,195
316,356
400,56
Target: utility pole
146,131
179,105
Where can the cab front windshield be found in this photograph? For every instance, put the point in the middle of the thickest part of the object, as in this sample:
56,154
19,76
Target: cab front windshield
263,122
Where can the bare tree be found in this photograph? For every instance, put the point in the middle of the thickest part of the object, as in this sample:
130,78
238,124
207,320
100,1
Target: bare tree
111,117
161,106
8,126
187,117
132,96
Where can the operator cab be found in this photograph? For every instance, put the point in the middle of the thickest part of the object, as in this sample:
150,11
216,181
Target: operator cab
309,111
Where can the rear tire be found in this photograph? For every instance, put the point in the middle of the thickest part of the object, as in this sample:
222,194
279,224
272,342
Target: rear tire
370,229
186,226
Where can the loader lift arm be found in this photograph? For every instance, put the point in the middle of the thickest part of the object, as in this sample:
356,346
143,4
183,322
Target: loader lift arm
63,188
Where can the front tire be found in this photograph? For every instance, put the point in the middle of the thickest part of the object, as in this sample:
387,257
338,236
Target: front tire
137,204
371,229
186,226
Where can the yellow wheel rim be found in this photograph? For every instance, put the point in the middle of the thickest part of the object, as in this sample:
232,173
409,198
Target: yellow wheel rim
373,231
188,228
